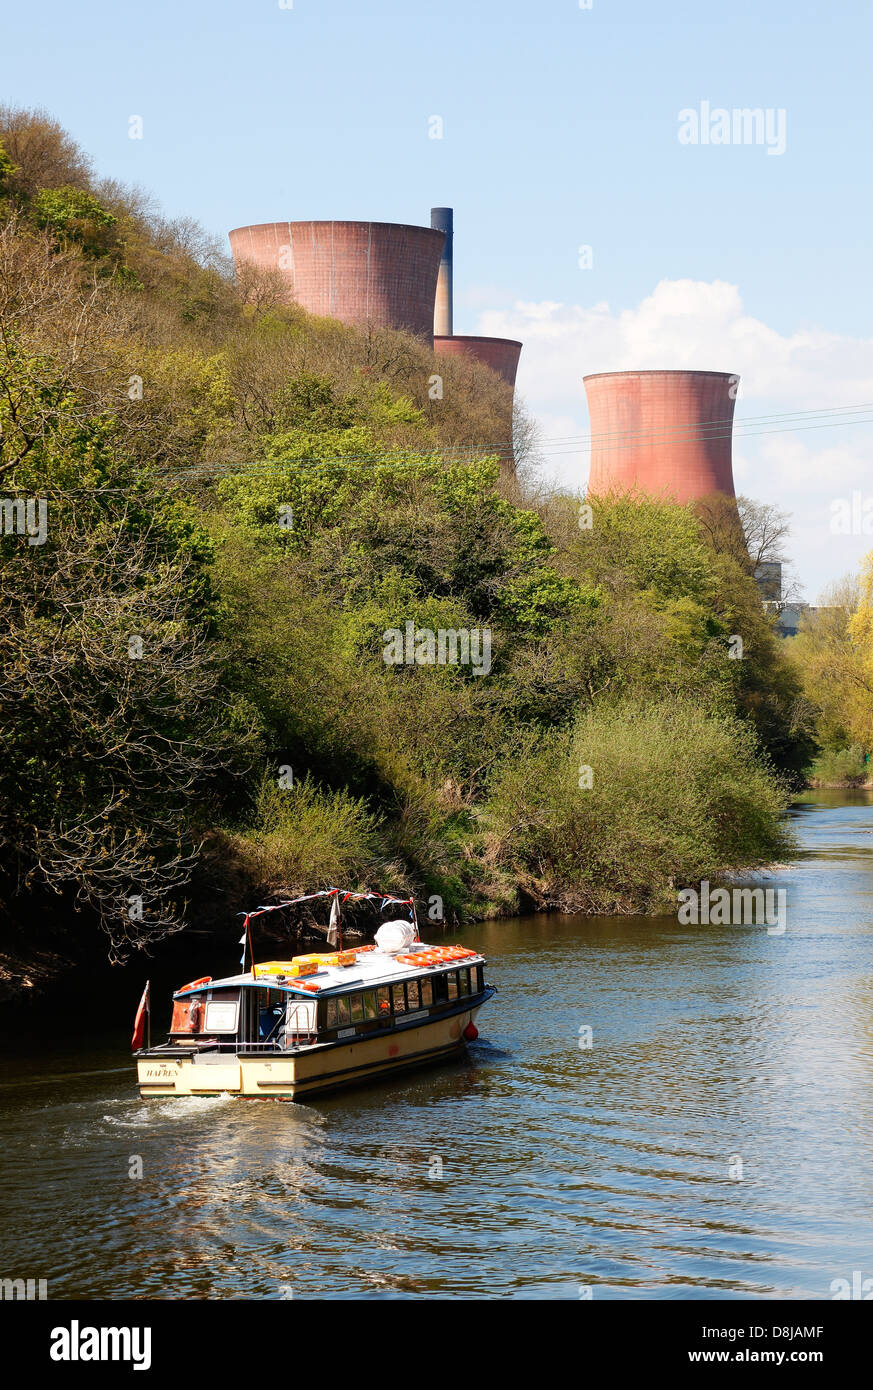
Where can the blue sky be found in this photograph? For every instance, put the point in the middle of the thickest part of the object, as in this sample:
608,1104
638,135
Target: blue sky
560,130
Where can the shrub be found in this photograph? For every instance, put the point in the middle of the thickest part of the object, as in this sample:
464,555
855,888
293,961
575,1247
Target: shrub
676,795
838,767
302,837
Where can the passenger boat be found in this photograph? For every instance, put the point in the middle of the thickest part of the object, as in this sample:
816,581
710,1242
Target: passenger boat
295,1028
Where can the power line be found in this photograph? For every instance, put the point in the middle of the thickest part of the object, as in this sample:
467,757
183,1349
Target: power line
746,427
565,445
726,425
726,434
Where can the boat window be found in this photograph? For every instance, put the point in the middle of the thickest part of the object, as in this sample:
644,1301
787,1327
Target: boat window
331,1015
412,994
478,979
343,1011
383,997
399,995
357,1004
426,993
440,989
453,984
370,1010
464,981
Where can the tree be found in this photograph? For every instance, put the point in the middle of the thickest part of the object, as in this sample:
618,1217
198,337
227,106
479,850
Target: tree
57,324
766,529
753,533
833,650
109,686
44,155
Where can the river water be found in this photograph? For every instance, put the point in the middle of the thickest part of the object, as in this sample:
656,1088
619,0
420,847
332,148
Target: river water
714,1141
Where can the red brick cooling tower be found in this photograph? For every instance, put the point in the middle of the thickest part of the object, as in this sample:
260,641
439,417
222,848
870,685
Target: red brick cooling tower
382,273
500,354
662,433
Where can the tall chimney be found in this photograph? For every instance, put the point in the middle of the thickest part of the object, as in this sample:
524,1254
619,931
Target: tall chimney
443,220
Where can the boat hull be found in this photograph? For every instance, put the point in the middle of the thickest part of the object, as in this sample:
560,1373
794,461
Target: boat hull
309,1071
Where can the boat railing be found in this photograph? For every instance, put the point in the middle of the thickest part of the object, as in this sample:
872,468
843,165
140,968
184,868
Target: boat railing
182,1049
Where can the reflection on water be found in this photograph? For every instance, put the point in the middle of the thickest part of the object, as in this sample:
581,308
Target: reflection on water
714,1141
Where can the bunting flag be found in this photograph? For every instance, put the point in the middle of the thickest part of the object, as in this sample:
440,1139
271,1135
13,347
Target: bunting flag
329,893
334,930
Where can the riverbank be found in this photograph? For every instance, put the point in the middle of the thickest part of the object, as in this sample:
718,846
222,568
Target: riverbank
846,784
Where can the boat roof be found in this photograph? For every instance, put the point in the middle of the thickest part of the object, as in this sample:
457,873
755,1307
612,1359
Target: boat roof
370,969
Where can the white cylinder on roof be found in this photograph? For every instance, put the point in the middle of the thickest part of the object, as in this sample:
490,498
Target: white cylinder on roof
395,936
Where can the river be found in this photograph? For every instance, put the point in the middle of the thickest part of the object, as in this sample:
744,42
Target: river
714,1141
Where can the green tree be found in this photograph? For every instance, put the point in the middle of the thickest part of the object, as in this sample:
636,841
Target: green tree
71,214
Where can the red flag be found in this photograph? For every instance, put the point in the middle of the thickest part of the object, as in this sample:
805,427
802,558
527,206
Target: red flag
139,1022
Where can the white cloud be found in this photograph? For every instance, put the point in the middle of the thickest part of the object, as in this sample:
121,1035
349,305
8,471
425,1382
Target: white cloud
695,324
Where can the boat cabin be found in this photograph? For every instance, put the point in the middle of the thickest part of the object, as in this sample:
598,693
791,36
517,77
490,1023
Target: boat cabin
276,1013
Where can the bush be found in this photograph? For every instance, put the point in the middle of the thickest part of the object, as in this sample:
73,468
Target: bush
839,767
304,838
676,795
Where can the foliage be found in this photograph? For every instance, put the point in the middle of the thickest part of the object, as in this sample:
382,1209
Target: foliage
668,795
833,652
304,835
71,214
7,169
108,685
262,498
840,767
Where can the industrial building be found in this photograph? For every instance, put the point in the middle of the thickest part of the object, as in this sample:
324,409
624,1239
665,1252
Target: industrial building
668,434
499,354
665,433
382,273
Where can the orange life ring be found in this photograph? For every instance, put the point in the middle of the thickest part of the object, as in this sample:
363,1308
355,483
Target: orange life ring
195,984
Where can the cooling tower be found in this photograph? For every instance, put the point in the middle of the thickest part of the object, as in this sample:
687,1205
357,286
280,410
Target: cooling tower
663,433
500,354
382,273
